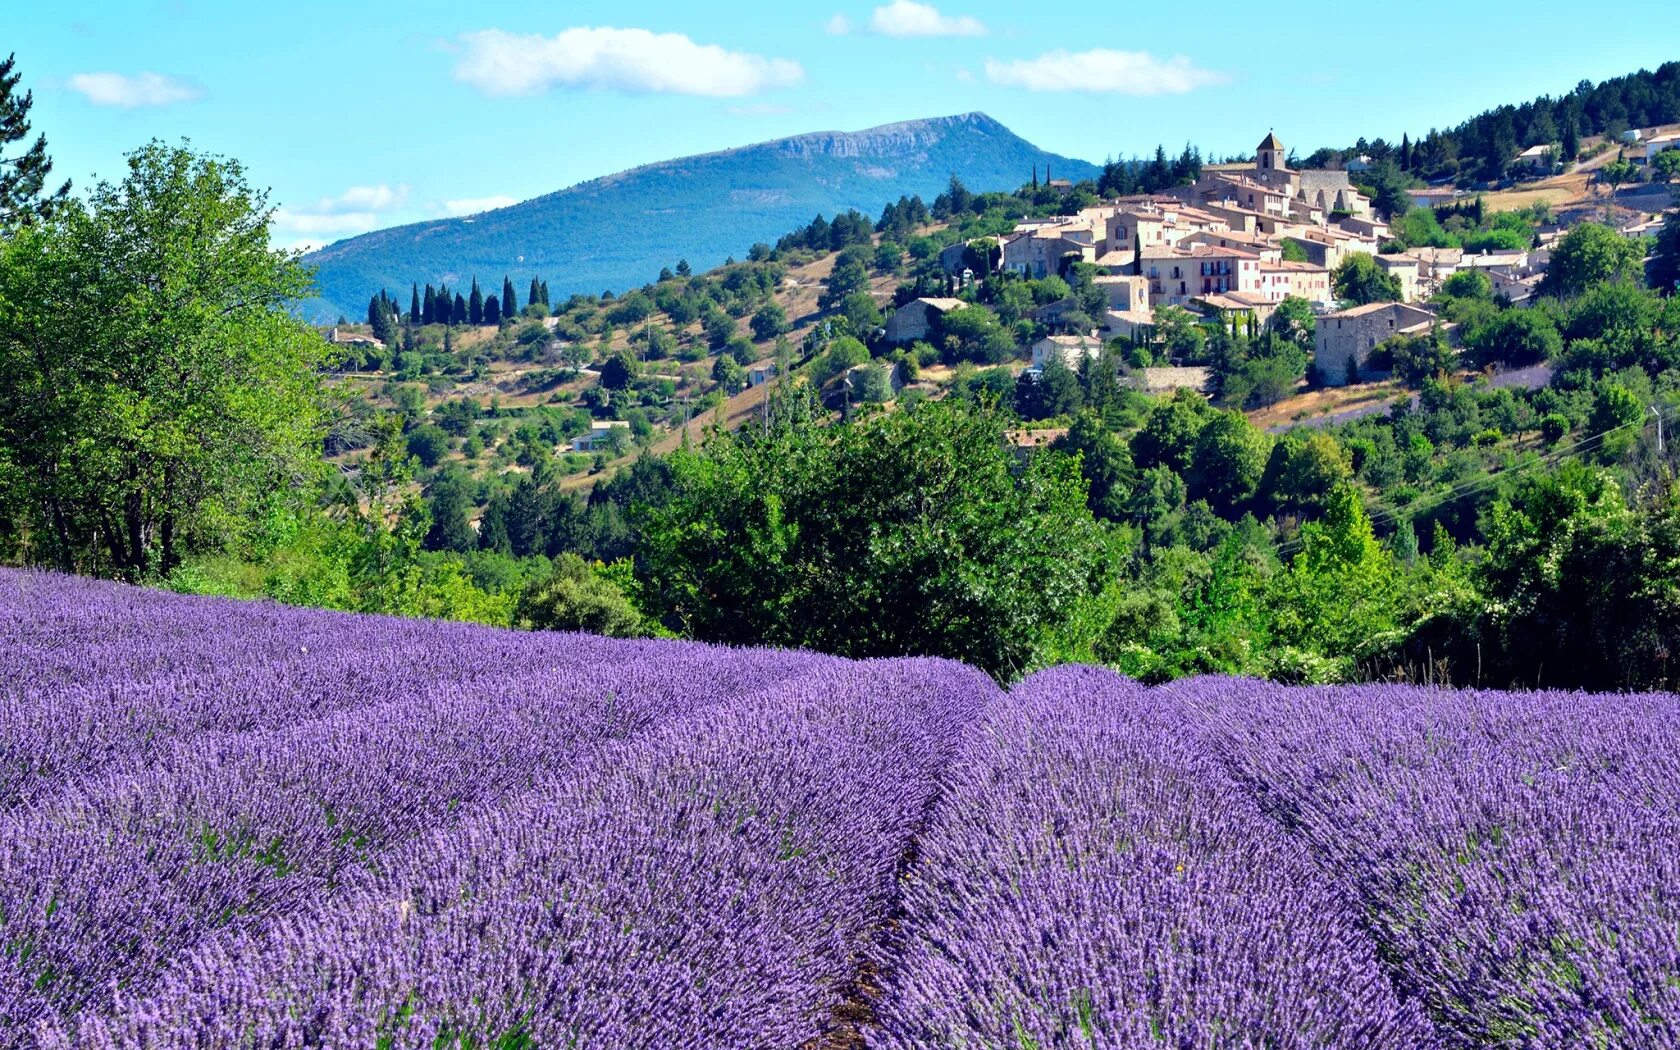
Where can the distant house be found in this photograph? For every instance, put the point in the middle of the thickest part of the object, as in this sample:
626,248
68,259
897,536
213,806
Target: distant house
1536,158
1408,271
1434,196
341,338
916,318
598,436
1071,349
1359,164
760,374
1656,145
1344,340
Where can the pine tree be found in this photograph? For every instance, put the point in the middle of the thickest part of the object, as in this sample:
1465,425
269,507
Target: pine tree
683,269
475,304
459,314
428,311
492,310
510,305
23,178
414,305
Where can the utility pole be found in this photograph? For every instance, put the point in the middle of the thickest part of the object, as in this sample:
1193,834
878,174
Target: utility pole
1656,412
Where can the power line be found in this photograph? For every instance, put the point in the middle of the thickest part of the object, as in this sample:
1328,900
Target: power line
1385,516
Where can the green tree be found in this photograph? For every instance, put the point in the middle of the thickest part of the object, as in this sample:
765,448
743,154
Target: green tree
770,321
1227,461
23,177
428,444
510,302
1587,255
842,354
1516,337
449,503
617,372
1168,435
1303,470
1359,280
1104,461
912,532
729,374
974,334
158,387
1666,166
475,304
850,275
576,596
1665,256
1340,592
492,311
1417,358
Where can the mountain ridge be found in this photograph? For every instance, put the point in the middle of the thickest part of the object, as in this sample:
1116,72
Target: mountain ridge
615,231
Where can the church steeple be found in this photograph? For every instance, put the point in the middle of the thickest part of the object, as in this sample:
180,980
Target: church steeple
1270,155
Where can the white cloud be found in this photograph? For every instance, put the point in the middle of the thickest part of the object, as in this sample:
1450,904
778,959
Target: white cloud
356,210
908,18
1103,70
631,60
474,205
839,25
134,92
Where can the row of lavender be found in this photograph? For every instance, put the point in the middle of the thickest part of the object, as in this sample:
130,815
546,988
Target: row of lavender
243,825
1222,863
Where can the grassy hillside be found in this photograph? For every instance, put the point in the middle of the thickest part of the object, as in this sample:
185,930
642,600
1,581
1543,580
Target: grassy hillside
616,232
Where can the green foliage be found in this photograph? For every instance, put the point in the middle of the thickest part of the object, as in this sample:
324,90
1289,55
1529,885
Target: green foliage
1517,338
973,334
1588,255
1227,461
150,425
910,532
1359,280
24,196
576,596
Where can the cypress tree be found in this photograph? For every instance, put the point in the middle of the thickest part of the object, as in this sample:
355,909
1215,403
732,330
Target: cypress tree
536,295
510,305
544,293
459,314
475,304
1405,152
492,310
428,312
414,305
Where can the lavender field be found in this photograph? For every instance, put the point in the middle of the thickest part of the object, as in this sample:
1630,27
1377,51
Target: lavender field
244,825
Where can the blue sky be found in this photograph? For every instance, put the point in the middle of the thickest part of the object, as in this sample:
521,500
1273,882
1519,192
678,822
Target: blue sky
365,113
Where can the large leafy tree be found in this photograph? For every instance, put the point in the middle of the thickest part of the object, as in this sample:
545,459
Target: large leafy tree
1591,254
154,387
1359,280
909,532
23,176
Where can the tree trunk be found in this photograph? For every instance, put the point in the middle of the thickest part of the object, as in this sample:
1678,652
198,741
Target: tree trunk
166,530
135,522
61,528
